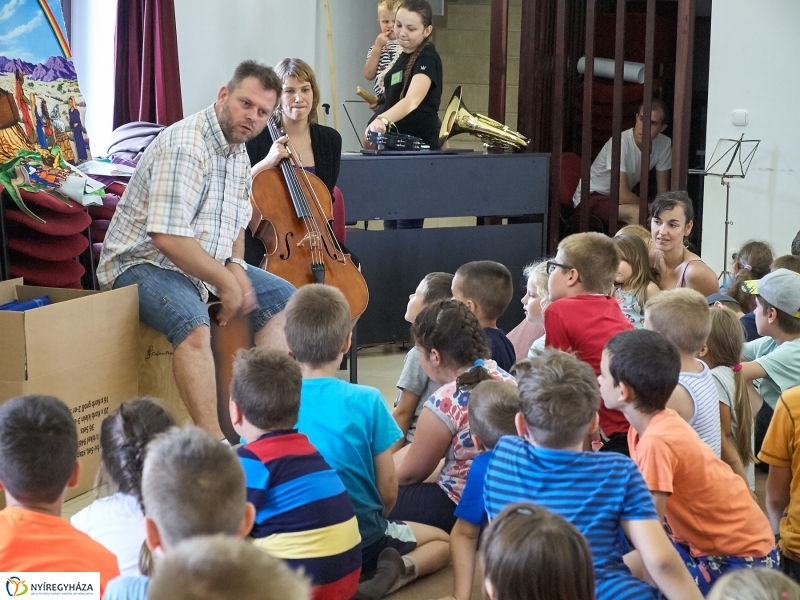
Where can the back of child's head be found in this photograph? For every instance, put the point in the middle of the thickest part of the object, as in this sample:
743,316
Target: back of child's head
537,271
317,323
787,261
530,553
438,286
219,567
779,290
796,245
38,448
124,436
682,316
755,584
488,284
753,261
492,407
640,231
192,485
724,345
266,386
558,396
596,259
634,252
648,363
453,330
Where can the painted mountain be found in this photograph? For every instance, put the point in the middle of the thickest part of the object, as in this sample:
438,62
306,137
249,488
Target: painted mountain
55,67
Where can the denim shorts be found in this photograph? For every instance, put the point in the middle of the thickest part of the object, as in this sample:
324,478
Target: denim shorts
171,304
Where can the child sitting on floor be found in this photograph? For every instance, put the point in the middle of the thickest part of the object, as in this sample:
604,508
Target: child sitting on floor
192,486
453,353
38,462
774,360
634,284
535,301
715,524
486,287
682,316
583,316
354,432
779,451
723,354
601,493
303,512
530,553
117,520
493,405
414,385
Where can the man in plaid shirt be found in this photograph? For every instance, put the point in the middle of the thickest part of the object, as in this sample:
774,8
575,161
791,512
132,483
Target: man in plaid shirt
178,232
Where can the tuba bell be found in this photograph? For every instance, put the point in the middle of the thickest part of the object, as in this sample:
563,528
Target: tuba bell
459,119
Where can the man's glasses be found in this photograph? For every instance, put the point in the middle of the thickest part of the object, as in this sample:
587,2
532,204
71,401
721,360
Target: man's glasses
551,266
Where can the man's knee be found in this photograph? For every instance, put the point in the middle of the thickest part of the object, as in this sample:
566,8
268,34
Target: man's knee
197,340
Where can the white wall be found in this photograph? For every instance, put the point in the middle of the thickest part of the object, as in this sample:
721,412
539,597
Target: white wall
754,54
214,36
92,44
354,25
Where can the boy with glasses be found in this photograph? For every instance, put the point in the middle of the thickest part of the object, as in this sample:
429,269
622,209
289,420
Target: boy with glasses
584,315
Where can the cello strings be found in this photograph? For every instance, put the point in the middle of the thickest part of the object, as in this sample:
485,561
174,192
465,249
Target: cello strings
299,200
318,204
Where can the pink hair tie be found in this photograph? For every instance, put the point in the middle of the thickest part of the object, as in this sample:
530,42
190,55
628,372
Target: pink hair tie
748,267
737,368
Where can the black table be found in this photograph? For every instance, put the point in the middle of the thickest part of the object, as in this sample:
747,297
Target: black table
435,185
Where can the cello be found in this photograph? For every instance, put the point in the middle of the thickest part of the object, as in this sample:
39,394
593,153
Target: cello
291,218
291,213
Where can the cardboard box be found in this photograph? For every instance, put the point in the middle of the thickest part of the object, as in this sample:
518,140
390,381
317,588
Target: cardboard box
156,377
82,348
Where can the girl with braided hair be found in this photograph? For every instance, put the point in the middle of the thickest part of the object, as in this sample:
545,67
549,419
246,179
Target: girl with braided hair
414,82
117,520
454,353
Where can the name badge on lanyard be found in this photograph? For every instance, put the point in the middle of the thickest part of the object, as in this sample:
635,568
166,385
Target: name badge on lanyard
396,78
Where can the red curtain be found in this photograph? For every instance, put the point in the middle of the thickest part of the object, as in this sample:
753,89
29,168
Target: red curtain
147,83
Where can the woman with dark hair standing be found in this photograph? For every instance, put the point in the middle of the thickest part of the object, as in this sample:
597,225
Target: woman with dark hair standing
414,83
672,222
413,86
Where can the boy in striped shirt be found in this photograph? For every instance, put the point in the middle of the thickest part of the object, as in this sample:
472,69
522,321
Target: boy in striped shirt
602,494
303,512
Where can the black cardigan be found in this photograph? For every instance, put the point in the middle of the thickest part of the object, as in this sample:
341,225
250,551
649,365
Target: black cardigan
326,144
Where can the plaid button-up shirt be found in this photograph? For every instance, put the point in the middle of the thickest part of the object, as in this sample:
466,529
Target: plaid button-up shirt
190,182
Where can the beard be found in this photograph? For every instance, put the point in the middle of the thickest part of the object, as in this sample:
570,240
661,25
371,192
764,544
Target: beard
229,127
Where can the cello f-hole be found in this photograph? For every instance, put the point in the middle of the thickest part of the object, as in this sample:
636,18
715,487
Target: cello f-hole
287,241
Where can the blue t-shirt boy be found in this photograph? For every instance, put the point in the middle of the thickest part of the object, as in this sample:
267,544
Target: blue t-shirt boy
593,491
350,424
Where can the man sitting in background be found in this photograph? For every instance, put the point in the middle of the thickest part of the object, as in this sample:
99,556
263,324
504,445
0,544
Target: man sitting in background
630,165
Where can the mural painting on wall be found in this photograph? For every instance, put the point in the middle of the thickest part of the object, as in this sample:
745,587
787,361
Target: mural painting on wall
42,110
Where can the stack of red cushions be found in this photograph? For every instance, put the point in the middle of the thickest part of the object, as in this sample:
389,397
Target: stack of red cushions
47,253
101,217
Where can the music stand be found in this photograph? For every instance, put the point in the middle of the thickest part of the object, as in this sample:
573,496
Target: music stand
724,164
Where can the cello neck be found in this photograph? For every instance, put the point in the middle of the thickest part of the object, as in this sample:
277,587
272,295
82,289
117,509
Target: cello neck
295,191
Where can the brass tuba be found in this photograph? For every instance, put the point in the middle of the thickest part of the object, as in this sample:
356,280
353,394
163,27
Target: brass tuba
459,119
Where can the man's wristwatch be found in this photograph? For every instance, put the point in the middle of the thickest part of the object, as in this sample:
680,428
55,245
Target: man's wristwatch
236,261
